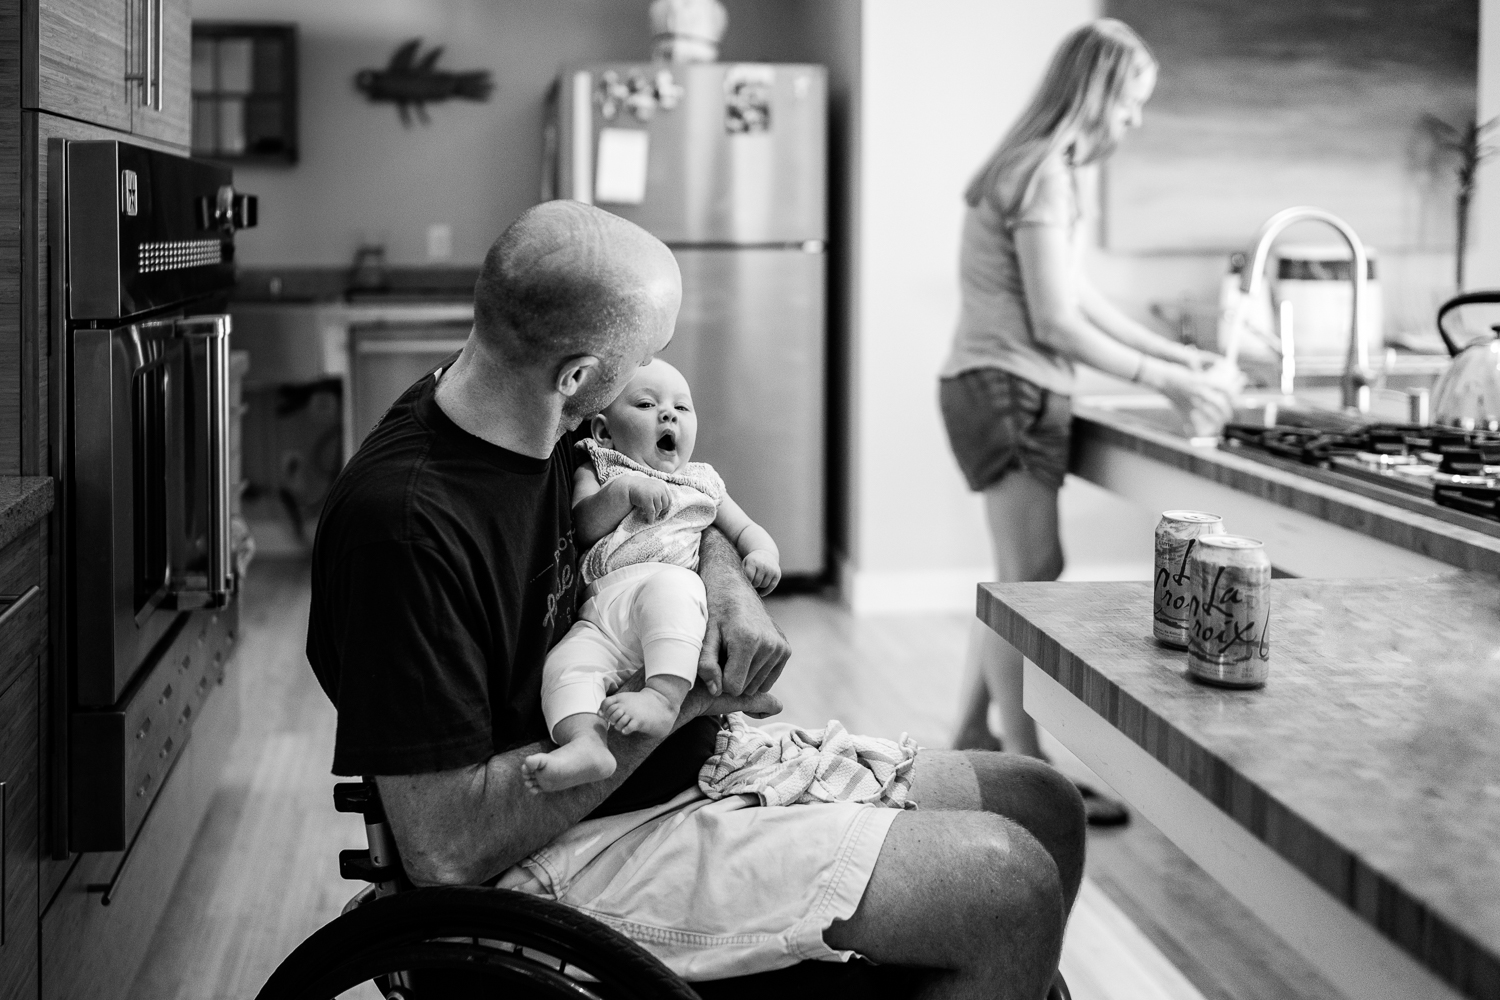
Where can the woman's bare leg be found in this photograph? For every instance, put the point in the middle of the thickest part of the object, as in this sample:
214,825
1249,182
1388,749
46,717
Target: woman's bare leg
1022,514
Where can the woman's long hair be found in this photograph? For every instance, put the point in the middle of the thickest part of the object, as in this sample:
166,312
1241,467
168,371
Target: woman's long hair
1082,84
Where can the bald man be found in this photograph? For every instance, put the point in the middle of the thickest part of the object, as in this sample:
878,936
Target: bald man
443,572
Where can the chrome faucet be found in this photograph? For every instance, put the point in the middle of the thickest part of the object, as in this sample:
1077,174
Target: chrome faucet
1355,383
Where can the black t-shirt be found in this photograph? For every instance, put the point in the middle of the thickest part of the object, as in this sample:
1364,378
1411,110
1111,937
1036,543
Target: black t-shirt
443,572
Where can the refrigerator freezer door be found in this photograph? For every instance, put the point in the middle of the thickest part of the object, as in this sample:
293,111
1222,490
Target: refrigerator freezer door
740,159
750,339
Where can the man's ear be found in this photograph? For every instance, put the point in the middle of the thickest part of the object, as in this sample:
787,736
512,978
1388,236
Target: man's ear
574,372
599,429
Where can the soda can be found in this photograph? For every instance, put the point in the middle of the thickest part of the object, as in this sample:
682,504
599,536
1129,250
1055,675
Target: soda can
1176,534
1230,641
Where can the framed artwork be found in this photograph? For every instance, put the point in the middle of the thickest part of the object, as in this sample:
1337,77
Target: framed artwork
1261,106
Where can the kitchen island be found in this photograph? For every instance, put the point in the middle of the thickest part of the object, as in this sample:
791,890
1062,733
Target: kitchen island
1353,803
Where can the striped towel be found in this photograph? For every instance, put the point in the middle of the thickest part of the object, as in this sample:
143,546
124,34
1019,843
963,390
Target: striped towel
783,765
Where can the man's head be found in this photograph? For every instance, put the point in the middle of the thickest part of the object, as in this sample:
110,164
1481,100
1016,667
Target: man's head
578,298
652,420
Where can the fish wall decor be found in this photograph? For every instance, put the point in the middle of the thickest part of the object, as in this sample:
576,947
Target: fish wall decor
411,84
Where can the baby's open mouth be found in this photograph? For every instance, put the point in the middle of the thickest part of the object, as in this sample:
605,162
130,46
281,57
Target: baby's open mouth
667,441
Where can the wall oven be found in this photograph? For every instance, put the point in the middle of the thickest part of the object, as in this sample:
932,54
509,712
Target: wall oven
146,583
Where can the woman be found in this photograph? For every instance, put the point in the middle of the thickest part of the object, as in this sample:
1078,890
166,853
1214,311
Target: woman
1028,314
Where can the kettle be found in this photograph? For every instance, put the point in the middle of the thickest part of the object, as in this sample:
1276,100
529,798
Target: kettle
1468,393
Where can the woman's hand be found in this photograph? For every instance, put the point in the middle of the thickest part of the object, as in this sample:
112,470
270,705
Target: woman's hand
1205,398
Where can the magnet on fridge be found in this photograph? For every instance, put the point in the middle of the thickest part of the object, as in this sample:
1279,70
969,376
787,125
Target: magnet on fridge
747,98
620,174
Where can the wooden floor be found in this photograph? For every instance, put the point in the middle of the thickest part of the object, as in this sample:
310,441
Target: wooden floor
263,875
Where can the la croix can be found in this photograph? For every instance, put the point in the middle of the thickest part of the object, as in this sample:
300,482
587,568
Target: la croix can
1176,534
1230,641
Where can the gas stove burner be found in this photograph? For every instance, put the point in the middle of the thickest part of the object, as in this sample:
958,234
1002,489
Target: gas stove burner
1455,467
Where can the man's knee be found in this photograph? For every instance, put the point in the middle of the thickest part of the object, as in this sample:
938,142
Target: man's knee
1040,798
1012,782
1023,891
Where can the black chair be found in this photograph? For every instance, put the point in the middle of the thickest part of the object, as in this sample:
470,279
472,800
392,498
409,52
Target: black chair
453,942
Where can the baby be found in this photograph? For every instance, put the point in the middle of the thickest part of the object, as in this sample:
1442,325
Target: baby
641,506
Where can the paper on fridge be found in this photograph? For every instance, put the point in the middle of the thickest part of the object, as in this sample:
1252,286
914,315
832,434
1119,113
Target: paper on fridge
620,177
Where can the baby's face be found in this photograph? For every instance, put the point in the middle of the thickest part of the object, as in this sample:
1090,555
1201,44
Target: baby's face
652,420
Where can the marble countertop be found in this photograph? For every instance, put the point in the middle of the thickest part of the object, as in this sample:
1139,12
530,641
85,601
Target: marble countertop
24,500
1370,760
1414,523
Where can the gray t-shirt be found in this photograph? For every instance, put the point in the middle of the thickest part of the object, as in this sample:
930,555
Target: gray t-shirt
994,325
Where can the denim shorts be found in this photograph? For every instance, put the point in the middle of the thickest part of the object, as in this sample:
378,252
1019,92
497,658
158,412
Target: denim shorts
716,887
998,421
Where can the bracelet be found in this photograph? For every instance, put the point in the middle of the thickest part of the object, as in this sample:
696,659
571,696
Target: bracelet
1140,366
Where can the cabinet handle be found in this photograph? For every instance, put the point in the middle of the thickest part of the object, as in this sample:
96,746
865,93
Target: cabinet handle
158,56
16,604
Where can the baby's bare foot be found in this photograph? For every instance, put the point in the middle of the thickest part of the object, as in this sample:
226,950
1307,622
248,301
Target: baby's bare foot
576,763
645,711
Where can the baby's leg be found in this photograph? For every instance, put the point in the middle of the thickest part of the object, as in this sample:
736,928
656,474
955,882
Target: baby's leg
581,756
668,616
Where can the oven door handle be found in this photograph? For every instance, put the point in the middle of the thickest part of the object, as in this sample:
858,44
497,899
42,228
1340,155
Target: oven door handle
218,584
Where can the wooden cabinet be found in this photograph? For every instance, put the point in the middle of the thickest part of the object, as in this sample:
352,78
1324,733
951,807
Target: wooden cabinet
78,57
122,64
18,835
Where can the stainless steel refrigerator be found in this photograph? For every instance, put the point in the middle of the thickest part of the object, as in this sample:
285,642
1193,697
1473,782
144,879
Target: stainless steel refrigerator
727,164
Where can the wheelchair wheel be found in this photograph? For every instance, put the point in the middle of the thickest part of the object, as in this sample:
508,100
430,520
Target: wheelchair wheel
460,940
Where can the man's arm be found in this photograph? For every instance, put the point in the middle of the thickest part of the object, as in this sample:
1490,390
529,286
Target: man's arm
743,650
466,825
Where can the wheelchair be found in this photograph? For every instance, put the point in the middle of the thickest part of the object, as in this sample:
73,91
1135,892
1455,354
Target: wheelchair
456,942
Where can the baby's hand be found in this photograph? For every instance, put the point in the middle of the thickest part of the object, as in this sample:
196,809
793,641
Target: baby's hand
649,496
762,570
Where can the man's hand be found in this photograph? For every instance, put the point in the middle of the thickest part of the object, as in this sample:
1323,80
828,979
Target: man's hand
743,649
699,703
650,496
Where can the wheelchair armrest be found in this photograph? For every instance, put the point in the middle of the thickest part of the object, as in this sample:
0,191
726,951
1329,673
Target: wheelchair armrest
357,867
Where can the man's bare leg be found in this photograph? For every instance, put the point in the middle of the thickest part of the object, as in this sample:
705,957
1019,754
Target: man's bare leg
978,881
970,895
1028,791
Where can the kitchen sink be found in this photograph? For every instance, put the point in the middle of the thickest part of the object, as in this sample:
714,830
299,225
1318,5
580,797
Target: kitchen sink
1316,409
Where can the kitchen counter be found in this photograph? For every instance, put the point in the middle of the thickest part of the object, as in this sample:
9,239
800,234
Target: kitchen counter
24,500
1368,763
1318,505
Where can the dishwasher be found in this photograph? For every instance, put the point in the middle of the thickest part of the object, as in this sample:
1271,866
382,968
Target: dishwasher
385,359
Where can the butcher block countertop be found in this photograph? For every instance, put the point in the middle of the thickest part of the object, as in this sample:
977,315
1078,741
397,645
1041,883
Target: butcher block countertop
1370,760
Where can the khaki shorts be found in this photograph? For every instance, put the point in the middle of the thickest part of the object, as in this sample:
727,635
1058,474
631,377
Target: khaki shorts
716,888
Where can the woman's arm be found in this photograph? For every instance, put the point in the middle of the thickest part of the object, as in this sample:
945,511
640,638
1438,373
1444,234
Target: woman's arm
1051,282
1108,317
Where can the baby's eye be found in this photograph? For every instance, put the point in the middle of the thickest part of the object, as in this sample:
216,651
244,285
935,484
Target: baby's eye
644,404
684,408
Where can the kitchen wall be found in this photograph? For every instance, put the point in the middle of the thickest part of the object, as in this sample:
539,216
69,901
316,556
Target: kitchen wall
363,177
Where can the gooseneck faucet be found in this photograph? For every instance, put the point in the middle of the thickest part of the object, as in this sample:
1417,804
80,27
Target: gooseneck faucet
1355,383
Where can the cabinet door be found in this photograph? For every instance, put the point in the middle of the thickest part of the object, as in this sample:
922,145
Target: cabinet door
82,50
171,64
18,836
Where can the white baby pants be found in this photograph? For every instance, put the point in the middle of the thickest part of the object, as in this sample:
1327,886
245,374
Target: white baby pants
648,616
